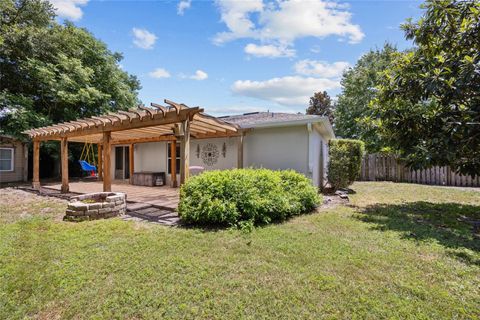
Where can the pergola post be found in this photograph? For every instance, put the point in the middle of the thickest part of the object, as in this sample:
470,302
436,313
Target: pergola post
100,162
64,164
107,174
173,163
185,152
240,151
131,162
36,165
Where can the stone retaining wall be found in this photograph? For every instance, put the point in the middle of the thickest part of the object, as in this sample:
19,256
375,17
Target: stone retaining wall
106,205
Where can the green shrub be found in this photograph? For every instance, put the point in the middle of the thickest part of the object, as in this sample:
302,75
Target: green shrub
345,162
233,197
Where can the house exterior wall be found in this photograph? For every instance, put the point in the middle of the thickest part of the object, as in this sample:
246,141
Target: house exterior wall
227,149
325,155
314,159
20,160
151,156
318,157
277,148
301,148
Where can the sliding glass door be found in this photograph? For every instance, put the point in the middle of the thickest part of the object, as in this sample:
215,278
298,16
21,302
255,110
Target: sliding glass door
122,162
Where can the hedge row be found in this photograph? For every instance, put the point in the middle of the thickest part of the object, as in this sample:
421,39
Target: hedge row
345,162
259,196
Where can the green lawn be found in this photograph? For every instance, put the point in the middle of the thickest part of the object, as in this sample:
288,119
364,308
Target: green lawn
398,251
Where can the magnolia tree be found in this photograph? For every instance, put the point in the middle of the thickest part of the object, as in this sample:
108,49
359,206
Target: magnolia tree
429,97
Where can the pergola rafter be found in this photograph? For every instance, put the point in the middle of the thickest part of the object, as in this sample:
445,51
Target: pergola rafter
177,122
159,107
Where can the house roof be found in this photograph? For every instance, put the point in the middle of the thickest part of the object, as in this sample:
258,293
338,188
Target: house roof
8,137
255,118
277,119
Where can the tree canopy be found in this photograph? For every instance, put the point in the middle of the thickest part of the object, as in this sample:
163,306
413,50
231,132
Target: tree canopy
354,117
51,72
321,104
429,98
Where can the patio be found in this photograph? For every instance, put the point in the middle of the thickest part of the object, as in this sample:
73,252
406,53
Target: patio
161,197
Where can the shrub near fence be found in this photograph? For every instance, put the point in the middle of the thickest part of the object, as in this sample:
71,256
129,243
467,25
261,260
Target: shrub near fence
345,162
379,167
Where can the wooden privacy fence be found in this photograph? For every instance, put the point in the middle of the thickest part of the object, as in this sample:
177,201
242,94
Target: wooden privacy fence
378,167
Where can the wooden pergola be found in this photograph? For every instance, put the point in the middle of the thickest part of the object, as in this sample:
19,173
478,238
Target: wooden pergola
174,122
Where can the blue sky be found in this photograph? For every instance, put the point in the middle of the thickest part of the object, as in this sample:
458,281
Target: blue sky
240,56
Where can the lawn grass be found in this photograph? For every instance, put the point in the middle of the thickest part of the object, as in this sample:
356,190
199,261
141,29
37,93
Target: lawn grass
398,251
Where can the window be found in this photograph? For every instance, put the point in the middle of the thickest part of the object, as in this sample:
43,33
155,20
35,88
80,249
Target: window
6,159
169,157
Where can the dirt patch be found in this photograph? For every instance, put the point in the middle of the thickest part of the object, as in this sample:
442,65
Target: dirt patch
333,200
17,204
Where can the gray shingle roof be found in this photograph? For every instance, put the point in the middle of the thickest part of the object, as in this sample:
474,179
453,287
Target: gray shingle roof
258,118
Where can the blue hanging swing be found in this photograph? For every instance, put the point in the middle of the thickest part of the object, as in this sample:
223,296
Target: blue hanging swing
87,159
87,166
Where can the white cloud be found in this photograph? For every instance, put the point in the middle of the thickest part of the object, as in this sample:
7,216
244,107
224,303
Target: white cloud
321,68
289,91
270,51
159,73
182,6
143,38
285,21
199,75
235,14
69,9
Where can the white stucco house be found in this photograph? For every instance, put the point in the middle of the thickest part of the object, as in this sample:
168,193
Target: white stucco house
271,140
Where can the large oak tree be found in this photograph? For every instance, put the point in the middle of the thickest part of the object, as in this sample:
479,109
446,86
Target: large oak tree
51,72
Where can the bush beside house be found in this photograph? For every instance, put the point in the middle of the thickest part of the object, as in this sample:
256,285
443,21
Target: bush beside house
237,196
345,162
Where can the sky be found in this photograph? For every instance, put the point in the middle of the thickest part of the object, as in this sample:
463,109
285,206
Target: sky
232,57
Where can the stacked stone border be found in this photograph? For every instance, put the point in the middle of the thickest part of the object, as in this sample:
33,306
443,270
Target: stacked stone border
105,205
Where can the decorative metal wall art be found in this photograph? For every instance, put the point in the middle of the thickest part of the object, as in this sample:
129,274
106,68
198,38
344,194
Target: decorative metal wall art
210,154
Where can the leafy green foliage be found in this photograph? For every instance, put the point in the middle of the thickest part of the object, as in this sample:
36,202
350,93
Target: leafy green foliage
354,117
429,98
259,196
51,73
321,104
345,162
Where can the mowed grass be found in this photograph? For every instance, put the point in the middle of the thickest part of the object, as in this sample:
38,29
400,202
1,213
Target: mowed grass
398,251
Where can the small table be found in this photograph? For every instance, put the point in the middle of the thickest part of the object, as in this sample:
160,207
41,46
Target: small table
149,179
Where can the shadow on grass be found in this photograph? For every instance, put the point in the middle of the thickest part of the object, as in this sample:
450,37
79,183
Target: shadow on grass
450,224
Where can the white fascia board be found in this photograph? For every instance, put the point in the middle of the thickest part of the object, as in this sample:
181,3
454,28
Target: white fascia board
283,123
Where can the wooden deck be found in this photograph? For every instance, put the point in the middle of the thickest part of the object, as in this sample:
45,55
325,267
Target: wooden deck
161,197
